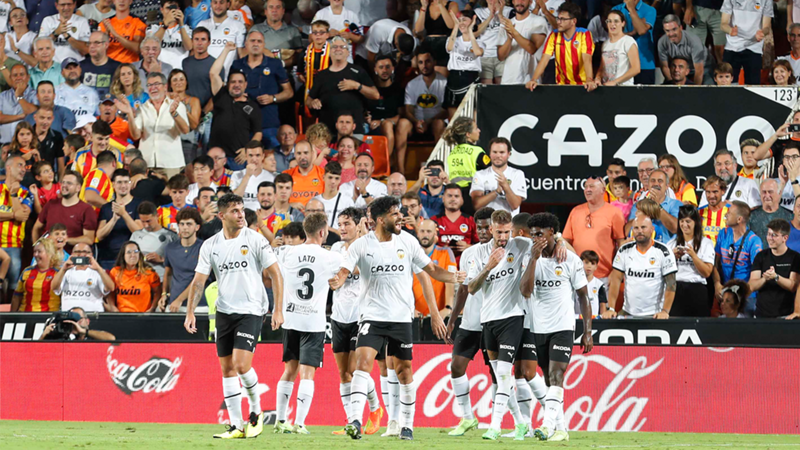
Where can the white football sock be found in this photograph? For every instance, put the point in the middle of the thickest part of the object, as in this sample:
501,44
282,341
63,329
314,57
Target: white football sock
372,395
461,391
250,385
554,401
408,398
344,393
385,395
282,395
561,423
539,389
394,395
524,398
358,395
233,400
305,395
505,382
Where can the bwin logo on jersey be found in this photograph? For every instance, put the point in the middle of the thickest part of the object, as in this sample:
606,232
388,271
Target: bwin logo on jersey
640,274
244,249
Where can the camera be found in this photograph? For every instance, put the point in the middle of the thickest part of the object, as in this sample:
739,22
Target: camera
435,172
794,128
62,330
80,260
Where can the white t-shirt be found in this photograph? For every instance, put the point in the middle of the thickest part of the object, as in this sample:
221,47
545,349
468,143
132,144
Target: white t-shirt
787,197
554,286
552,7
427,101
520,64
172,50
380,37
687,272
746,15
194,191
375,188
238,264
251,191
5,10
24,44
369,11
501,295
615,57
596,293
471,317
229,30
82,100
599,34
346,298
83,288
334,207
78,29
484,180
644,276
490,35
339,22
306,269
387,274
744,189
462,58
90,11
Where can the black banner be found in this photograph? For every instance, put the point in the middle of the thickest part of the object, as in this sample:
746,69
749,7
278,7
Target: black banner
674,332
562,134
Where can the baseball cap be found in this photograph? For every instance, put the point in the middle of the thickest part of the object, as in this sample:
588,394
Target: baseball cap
84,120
108,98
68,61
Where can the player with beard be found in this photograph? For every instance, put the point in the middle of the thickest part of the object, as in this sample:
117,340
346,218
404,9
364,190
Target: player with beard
239,258
495,273
386,312
456,229
467,341
552,284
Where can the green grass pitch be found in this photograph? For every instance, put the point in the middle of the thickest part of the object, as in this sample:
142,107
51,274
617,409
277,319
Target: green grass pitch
92,435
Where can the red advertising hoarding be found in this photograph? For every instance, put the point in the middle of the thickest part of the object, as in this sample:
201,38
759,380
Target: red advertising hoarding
734,390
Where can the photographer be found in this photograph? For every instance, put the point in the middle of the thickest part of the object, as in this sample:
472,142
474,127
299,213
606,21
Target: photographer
82,282
58,328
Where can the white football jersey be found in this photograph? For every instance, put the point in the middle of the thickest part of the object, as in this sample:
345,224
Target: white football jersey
387,274
644,276
77,28
172,50
334,207
229,30
527,302
553,287
82,100
345,299
471,317
82,288
250,196
596,293
5,10
238,264
306,269
501,295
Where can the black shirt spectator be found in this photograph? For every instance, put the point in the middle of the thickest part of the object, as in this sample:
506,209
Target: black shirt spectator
146,187
774,274
392,99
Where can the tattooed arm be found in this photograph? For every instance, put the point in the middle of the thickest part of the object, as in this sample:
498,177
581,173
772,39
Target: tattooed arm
669,296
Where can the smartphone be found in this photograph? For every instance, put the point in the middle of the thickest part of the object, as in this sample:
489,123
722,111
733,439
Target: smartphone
794,128
435,171
214,198
172,7
404,211
80,260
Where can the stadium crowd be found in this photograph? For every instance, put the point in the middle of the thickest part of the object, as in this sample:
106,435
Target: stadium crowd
122,122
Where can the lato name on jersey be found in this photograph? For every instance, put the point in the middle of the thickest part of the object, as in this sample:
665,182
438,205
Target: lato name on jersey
388,268
306,258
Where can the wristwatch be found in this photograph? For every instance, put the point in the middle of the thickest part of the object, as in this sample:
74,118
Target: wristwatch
3,67
367,195
274,99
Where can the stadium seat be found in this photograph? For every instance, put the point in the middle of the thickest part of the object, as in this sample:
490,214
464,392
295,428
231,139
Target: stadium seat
379,146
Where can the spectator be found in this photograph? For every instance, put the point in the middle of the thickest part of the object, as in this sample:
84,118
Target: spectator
175,36
145,187
120,130
794,235
596,225
774,275
207,207
778,143
26,144
723,74
343,22
346,157
16,102
127,84
363,190
316,56
233,110
72,143
127,31
679,68
734,299
266,203
666,225
72,94
781,74
180,260
500,187
308,178
319,136
346,126
203,166
424,114
714,214
412,212
198,66
464,65
47,189
790,170
150,48
137,285
152,238
706,17
739,188
267,83
96,12
397,185
283,212
196,12
33,291
678,184
281,40
596,289
430,187
224,29
572,67
648,270
97,189
793,34
83,285
78,216
387,36
18,39
71,31
616,167
83,128
220,176
178,186
98,69
456,230
384,113
333,201
46,68
293,234
284,153
640,18
489,31
769,210
622,189
16,204
117,220
441,256
245,182
63,119
745,51
736,249
748,149
341,87
694,255
676,43
620,63
518,41
433,24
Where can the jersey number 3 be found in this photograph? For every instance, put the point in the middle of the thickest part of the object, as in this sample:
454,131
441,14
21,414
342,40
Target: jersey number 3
308,284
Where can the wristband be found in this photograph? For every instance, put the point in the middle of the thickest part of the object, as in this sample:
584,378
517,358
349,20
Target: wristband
367,195
448,307
360,86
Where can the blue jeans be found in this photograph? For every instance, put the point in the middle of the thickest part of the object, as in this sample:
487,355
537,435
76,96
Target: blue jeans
16,265
233,165
269,138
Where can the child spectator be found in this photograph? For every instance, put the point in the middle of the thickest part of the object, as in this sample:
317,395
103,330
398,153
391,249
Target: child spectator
319,136
178,187
46,189
72,143
723,74
621,187
596,289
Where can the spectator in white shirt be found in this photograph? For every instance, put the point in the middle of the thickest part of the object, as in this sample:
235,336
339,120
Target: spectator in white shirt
620,61
694,254
464,66
489,33
363,190
739,188
19,40
82,100
387,36
245,182
69,30
175,36
499,186
519,40
746,23
332,200
793,34
83,285
150,49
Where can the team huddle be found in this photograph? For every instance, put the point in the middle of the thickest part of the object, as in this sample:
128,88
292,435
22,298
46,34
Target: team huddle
516,292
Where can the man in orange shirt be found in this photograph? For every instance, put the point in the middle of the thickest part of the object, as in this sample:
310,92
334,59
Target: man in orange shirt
97,189
308,179
125,32
108,114
441,256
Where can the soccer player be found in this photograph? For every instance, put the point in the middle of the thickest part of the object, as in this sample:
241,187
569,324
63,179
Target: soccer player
239,257
385,259
306,269
467,341
552,284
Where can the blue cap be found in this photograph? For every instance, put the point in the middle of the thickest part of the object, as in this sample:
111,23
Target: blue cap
67,61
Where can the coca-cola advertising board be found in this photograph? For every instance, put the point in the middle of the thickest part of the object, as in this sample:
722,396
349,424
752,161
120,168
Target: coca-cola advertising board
671,389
